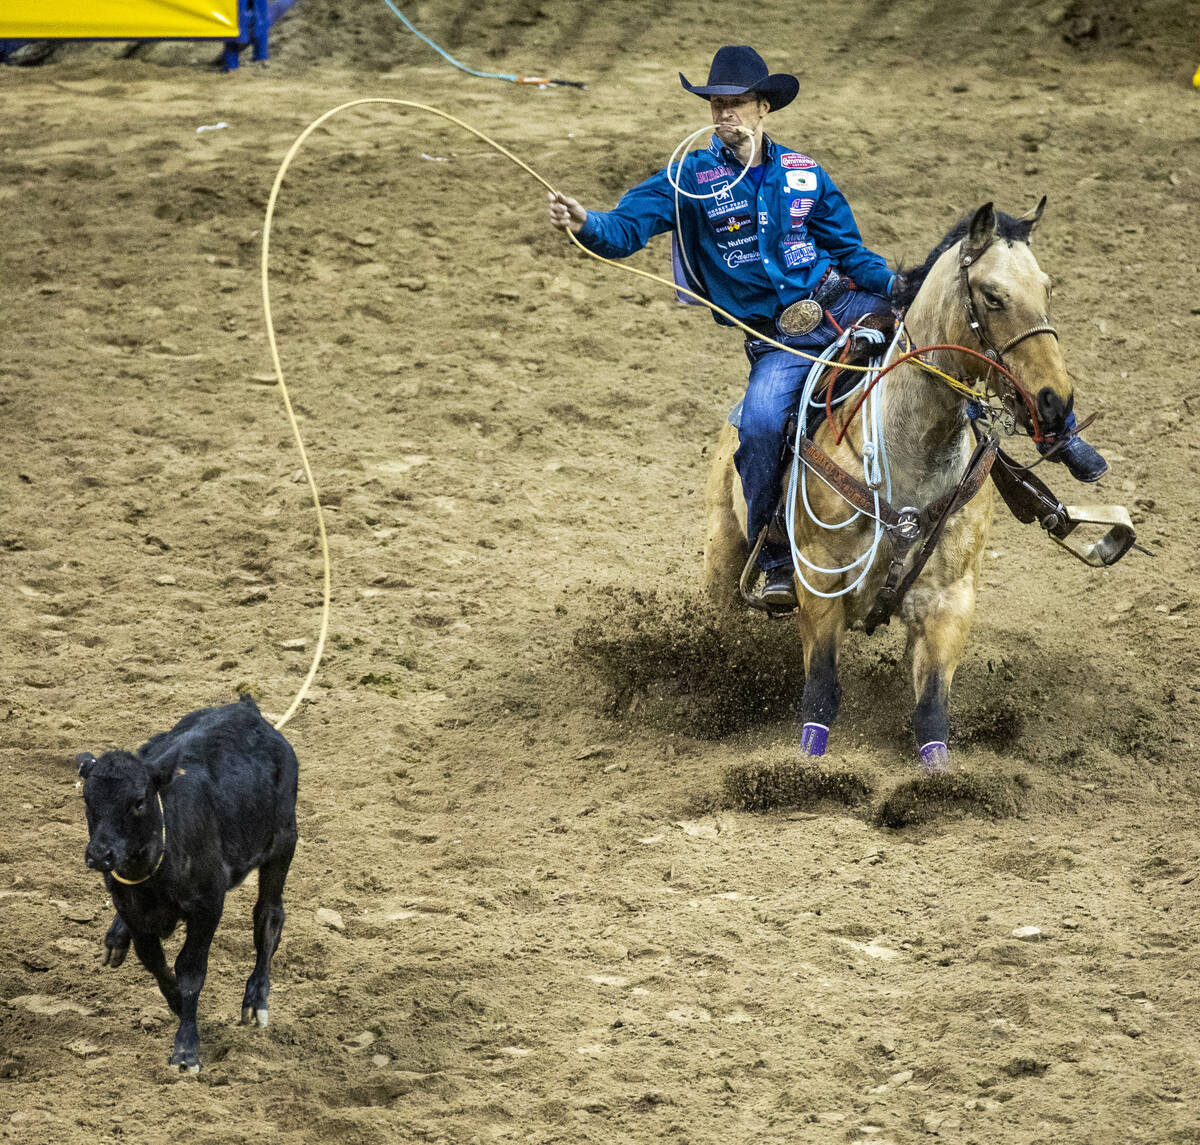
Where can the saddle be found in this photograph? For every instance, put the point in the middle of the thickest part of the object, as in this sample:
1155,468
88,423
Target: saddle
859,352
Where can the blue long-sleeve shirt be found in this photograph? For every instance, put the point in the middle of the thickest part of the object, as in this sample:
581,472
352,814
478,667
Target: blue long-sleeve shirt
750,249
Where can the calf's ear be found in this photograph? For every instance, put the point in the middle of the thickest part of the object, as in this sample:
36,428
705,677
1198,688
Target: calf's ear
164,774
84,761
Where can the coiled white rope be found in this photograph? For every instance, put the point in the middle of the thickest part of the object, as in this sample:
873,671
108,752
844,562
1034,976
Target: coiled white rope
680,153
677,157
876,472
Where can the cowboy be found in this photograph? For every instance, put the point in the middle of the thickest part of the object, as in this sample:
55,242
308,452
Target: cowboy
781,235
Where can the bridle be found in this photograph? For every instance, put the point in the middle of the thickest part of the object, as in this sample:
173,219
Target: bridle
991,351
975,319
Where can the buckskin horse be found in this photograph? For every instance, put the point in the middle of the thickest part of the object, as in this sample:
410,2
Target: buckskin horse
978,310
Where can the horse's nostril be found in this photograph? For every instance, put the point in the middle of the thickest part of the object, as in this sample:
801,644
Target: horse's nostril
1052,410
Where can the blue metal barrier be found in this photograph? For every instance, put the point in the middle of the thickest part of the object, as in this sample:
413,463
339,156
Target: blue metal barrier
255,20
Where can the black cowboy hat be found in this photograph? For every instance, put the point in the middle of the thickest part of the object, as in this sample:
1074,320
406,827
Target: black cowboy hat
739,69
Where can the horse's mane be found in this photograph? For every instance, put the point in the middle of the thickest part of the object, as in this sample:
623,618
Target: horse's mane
1007,227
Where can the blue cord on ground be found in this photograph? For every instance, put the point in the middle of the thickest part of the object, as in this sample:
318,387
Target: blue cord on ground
530,80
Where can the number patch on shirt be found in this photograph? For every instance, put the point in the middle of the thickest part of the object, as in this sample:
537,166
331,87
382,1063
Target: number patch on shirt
733,224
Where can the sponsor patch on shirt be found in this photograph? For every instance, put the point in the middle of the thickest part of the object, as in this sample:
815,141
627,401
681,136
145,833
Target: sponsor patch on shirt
798,210
795,160
799,254
762,218
716,173
731,224
802,180
727,207
736,258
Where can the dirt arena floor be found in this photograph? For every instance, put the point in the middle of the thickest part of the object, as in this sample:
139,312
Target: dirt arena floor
523,908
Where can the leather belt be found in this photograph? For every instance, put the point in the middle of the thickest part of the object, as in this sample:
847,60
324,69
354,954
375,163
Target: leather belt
831,287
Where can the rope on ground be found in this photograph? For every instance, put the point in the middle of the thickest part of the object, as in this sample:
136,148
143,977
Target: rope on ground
534,81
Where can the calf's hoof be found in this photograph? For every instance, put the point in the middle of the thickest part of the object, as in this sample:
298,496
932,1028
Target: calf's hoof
254,1017
188,1060
116,943
114,955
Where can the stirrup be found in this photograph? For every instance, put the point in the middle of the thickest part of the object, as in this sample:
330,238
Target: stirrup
751,574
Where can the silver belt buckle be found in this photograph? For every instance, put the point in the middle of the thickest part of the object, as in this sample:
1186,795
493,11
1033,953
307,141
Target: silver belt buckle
801,317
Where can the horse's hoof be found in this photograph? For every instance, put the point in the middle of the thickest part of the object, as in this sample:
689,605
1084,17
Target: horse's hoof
254,1017
814,738
934,758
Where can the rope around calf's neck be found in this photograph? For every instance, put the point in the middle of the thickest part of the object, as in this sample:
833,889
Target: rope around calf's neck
162,854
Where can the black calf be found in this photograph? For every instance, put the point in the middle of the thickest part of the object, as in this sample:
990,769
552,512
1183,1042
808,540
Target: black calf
175,827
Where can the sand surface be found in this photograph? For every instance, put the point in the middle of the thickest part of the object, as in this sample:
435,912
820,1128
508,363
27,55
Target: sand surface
549,923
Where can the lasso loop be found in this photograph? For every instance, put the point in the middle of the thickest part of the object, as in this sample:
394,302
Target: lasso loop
326,592
954,383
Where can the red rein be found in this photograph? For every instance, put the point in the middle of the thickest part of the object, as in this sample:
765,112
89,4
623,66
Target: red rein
840,431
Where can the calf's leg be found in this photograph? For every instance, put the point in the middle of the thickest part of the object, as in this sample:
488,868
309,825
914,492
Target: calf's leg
268,927
116,943
148,948
191,967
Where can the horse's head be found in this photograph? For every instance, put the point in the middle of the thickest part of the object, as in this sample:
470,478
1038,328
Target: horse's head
1005,308
982,289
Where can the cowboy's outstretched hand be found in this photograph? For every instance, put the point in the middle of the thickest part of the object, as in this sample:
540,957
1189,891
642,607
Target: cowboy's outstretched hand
565,213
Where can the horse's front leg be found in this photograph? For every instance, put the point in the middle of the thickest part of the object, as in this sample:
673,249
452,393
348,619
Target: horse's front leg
822,623
939,622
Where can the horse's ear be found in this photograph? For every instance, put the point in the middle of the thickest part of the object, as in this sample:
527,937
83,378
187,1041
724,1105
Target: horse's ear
1034,217
980,233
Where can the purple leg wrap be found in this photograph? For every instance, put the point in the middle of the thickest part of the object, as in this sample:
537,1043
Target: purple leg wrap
813,739
935,757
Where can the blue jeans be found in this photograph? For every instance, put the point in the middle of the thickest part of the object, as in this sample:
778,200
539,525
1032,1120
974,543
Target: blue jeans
772,393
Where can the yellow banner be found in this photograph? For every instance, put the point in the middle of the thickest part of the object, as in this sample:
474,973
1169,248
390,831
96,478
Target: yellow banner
118,19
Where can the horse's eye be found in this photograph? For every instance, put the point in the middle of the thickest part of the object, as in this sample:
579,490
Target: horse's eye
992,301
139,806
